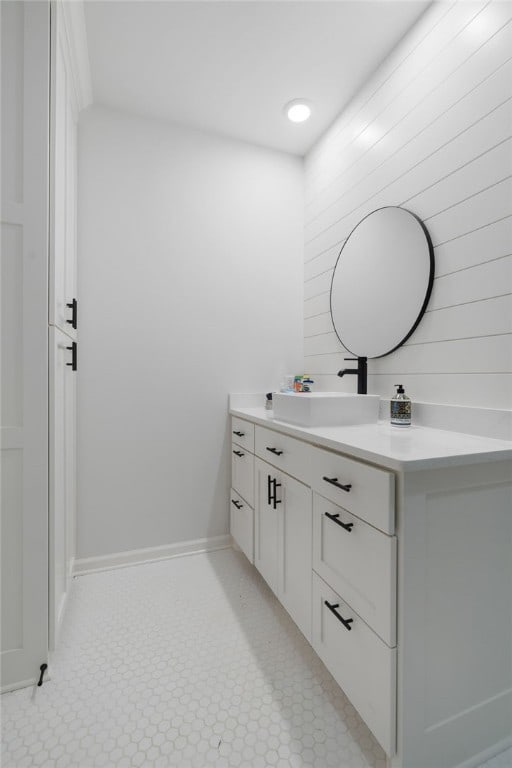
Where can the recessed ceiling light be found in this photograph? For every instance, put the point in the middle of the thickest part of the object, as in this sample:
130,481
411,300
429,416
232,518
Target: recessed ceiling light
298,110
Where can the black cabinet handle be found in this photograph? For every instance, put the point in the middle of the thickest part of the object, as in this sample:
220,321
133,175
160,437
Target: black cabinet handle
275,451
274,498
74,314
335,518
334,481
73,363
236,503
239,453
240,434
272,486
346,622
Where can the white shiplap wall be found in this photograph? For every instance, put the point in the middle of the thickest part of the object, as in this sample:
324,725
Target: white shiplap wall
431,131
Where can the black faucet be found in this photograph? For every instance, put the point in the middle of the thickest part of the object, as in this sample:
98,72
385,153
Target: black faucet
361,371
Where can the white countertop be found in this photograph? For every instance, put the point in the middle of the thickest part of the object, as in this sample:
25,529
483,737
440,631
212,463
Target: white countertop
411,448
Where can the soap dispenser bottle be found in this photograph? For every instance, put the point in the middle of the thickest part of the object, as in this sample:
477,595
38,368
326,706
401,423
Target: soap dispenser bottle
400,408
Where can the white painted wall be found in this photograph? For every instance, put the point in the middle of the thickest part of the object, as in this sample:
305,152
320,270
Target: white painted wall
431,132
190,285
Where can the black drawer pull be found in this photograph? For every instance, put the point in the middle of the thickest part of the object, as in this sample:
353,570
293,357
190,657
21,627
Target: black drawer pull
269,493
335,518
275,451
74,314
236,503
346,622
240,434
334,481
239,453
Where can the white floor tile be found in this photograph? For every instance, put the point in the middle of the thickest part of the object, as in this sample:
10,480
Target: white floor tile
189,662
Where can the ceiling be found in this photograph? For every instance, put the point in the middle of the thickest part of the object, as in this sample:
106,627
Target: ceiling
230,67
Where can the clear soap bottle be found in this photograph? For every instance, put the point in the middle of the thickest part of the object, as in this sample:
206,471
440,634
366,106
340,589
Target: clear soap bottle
401,408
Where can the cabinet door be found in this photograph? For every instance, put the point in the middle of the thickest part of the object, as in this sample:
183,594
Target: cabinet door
63,183
25,34
266,554
296,552
62,476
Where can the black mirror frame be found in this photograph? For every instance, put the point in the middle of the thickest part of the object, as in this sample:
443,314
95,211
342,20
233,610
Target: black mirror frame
427,293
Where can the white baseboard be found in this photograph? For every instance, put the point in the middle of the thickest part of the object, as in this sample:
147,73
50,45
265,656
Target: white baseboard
86,565
25,683
60,613
20,684
63,603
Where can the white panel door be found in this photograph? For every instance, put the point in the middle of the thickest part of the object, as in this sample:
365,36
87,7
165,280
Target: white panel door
63,284
62,474
25,30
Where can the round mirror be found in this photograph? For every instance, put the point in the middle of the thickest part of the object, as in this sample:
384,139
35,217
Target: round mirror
382,282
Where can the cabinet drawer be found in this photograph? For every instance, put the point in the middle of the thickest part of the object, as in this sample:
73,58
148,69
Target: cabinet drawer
242,433
241,517
284,452
242,473
362,665
369,492
359,562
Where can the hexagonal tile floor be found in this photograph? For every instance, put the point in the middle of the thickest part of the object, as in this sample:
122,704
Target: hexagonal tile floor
189,662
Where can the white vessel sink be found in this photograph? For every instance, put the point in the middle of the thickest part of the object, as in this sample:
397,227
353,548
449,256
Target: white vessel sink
325,409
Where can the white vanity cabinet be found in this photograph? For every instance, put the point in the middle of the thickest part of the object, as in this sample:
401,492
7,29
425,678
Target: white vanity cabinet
301,536
393,553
